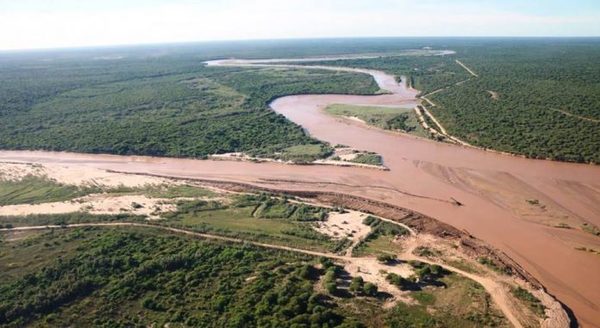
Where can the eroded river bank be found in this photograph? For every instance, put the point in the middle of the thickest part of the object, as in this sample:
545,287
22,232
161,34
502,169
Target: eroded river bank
513,203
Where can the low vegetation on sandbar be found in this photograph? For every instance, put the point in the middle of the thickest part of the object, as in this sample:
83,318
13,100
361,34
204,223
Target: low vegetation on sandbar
389,118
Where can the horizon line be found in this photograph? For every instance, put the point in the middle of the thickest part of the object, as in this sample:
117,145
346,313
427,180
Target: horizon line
166,43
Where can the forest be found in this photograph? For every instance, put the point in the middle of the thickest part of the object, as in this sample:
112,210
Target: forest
110,278
140,277
534,97
162,272
538,97
547,102
165,107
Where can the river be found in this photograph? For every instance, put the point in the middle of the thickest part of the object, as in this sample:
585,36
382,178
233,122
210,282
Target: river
511,202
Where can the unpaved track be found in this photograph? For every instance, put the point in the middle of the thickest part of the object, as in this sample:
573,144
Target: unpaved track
496,291
431,170
179,231
442,130
466,68
576,116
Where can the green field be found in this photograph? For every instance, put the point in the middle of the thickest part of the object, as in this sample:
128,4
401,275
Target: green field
380,240
174,191
34,189
377,246
461,303
258,218
399,119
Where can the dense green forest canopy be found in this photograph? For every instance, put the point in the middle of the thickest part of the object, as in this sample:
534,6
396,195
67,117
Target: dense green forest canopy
167,106
134,278
140,277
534,96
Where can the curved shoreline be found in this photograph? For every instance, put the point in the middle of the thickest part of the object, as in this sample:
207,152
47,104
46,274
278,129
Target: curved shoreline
514,171
417,225
493,189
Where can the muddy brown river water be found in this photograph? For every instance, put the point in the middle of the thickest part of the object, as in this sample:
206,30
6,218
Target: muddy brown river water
424,176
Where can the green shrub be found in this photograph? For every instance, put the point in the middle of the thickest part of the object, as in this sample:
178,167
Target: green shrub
370,289
386,258
356,285
533,302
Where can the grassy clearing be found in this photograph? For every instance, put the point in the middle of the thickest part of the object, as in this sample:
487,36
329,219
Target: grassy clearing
368,158
175,191
39,189
397,118
452,300
259,218
456,303
380,240
33,252
377,246
462,265
34,190
304,153
425,251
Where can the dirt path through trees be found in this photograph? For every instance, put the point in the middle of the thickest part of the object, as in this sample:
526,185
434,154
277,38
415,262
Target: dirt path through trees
496,291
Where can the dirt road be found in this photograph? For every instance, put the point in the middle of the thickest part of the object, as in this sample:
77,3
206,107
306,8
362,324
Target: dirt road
496,291
466,68
495,189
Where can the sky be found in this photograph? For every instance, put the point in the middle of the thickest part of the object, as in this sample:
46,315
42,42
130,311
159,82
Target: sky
35,24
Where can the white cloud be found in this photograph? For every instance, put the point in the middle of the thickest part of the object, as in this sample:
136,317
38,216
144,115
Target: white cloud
187,20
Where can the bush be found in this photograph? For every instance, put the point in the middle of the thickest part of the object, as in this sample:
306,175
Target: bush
371,221
533,302
136,206
370,289
386,258
357,284
429,273
398,281
326,262
331,288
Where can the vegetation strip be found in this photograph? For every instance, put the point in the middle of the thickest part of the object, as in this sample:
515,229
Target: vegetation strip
176,230
499,298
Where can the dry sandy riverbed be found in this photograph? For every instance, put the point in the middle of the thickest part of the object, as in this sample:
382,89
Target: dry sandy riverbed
97,204
78,175
339,225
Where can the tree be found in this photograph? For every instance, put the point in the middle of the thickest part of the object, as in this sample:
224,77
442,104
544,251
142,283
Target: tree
386,258
326,262
357,284
398,281
331,287
370,289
